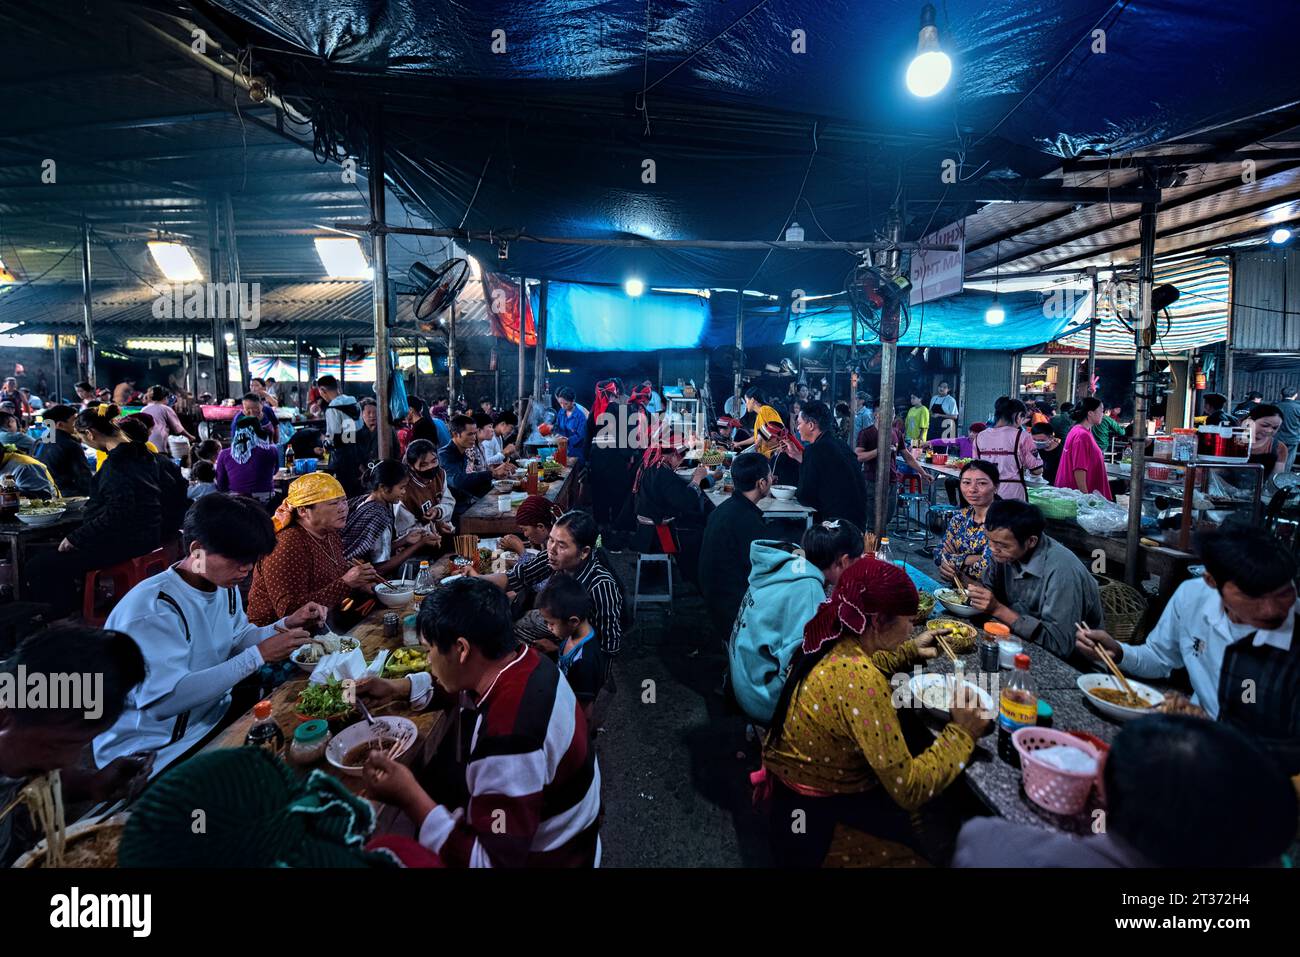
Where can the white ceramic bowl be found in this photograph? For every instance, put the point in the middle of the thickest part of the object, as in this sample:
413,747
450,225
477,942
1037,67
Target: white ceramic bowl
933,692
503,486
951,601
395,597
41,517
358,733
1115,711
783,493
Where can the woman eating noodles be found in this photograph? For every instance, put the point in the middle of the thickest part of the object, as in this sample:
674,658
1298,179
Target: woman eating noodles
965,546
835,750
308,563
1082,466
369,533
536,516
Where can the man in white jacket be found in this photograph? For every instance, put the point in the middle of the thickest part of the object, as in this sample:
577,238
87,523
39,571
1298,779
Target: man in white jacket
190,625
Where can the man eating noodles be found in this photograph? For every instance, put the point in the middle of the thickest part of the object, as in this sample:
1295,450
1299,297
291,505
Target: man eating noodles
1233,630
189,623
530,780
1037,587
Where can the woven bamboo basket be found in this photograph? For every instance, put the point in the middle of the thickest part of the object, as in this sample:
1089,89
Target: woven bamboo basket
1125,611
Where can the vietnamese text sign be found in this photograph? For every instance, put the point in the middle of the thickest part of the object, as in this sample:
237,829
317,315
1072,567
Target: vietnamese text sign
937,274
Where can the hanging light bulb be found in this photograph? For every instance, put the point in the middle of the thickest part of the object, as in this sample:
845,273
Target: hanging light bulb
806,344
996,315
794,233
1280,236
930,69
634,287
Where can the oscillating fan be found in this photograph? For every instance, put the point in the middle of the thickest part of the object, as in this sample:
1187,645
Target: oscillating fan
877,300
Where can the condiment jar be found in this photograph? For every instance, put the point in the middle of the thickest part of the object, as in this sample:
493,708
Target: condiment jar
309,742
993,632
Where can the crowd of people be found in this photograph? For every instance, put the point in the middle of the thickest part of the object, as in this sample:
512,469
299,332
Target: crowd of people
813,630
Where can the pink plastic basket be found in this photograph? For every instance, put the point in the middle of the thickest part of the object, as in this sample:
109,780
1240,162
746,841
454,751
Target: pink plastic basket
1062,792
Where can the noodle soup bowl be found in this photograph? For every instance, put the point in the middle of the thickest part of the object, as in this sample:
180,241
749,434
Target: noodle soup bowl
354,735
1117,712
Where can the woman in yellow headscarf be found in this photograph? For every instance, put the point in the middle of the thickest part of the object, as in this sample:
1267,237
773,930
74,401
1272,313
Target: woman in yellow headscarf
308,563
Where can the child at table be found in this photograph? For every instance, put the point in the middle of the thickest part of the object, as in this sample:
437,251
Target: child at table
203,480
567,610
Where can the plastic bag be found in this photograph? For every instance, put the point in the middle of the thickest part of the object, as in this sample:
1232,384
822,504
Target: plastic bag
1100,517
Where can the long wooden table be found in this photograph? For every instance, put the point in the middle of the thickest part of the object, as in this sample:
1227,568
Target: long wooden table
370,633
485,517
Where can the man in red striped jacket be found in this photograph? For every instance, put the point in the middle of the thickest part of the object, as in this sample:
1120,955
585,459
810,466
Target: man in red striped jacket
531,786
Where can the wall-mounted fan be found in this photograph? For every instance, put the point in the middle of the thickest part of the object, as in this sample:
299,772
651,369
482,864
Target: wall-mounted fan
434,289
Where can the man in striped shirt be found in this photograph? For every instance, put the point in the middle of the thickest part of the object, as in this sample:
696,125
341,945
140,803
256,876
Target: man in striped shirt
531,778
571,549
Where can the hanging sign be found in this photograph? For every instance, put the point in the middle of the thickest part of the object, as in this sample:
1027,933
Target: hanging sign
936,274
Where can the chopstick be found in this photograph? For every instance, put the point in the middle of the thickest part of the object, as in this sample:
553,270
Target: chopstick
947,648
961,589
1110,663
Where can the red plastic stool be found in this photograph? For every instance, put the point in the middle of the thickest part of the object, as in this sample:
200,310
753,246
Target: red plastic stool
124,576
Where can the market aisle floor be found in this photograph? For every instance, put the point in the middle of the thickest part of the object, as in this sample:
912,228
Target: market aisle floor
676,793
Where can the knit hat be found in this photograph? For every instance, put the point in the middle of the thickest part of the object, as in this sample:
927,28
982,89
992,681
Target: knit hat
309,489
255,812
868,587
538,510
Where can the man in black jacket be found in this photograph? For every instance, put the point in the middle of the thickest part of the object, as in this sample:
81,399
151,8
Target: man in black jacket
830,478
63,454
466,485
734,525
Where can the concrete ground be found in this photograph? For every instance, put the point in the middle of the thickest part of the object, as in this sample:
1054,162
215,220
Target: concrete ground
674,761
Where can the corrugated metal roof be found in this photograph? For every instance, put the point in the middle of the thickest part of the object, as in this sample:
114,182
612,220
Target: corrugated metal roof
287,309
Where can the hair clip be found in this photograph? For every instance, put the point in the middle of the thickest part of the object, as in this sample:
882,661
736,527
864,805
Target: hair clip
831,525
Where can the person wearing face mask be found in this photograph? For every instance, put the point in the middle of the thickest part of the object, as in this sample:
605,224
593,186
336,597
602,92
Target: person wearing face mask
786,586
1233,630
427,501
189,624
1049,449
307,564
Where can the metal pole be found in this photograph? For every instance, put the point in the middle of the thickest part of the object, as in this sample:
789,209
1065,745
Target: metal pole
539,354
297,372
451,357
832,402
1143,339
343,360
496,377
415,381
523,355
232,252
739,364
58,374
888,361
379,288
221,383
1092,333
194,367
86,354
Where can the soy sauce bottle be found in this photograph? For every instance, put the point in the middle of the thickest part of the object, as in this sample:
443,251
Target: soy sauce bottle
1018,708
264,733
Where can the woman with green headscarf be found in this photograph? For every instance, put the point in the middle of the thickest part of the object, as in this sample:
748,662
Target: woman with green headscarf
243,807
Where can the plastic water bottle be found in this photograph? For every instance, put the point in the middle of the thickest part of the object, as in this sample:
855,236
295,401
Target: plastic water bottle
882,550
1018,708
424,579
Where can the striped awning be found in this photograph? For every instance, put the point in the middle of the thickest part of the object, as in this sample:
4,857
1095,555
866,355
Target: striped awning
1199,317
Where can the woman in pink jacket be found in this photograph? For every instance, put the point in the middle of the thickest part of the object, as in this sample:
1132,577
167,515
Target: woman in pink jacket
1010,447
1082,465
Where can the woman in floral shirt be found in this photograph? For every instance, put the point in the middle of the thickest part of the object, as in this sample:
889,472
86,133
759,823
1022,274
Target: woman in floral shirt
966,546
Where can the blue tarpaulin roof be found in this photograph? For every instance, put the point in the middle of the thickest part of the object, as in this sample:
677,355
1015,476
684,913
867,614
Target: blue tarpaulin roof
956,323
752,115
